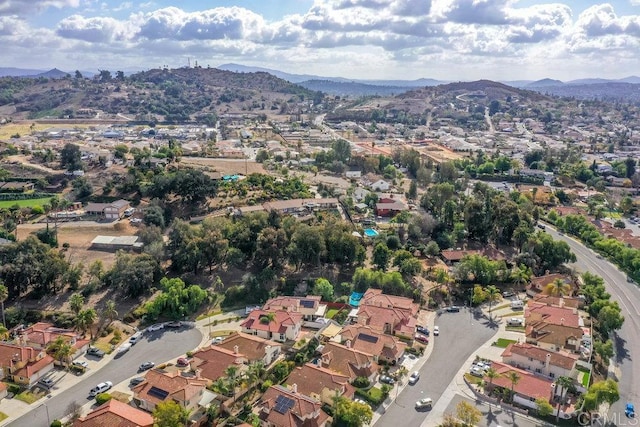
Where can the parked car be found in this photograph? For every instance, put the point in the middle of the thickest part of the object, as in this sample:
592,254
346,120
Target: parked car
123,348
421,338
174,325
385,379
436,330
146,366
80,363
453,309
100,388
217,340
508,294
156,327
426,403
182,361
515,321
422,330
46,383
135,338
414,377
93,351
476,371
136,380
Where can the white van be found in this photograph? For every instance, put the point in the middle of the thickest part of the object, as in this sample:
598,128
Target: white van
517,304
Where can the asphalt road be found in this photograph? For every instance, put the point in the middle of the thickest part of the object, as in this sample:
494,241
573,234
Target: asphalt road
627,339
460,335
493,416
158,347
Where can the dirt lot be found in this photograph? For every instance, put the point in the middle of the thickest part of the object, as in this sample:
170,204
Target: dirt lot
225,166
79,235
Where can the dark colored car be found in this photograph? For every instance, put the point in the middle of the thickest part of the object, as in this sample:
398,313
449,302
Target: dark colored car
387,380
45,383
95,352
182,361
136,380
453,309
422,339
146,366
422,330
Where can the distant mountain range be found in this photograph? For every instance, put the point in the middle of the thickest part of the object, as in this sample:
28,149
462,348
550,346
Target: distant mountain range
54,73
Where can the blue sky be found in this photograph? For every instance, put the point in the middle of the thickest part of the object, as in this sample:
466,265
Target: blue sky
376,39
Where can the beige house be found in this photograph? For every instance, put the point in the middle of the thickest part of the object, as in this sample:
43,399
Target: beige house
277,325
320,383
23,364
253,348
161,386
543,362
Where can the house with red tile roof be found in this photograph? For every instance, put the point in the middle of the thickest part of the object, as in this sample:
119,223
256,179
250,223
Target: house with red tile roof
392,321
537,360
562,301
348,361
41,334
310,307
279,325
211,362
320,383
22,364
161,386
375,297
253,348
553,328
383,347
115,414
539,284
282,407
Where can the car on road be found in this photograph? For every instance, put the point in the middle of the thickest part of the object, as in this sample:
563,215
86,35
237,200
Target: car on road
421,338
630,410
436,331
174,325
156,327
100,388
93,351
453,309
123,348
46,383
182,361
136,380
426,403
414,377
80,363
385,379
135,338
146,366
422,330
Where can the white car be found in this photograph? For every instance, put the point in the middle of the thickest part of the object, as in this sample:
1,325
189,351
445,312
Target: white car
156,327
414,377
477,372
427,402
100,388
436,330
80,363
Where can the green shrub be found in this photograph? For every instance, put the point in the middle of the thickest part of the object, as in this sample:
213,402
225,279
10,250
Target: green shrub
103,398
56,423
13,388
361,382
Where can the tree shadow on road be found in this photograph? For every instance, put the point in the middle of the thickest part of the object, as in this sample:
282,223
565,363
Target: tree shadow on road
621,350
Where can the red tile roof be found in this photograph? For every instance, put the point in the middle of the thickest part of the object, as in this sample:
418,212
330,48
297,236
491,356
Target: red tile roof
250,346
32,359
535,312
561,359
348,361
304,411
402,322
282,320
529,385
311,380
177,387
368,340
375,297
290,303
212,361
115,414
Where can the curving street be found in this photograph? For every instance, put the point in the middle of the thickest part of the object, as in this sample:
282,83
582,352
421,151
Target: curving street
627,339
461,334
158,347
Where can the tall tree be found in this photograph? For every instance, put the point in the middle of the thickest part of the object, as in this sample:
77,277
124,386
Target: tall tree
170,414
4,294
61,350
85,320
76,303
558,288
70,157
514,379
110,311
565,383
493,294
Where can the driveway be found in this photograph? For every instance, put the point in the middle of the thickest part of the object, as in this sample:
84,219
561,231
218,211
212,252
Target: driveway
461,334
493,416
158,347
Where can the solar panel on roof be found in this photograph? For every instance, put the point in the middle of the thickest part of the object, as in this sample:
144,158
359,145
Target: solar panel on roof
367,338
283,404
307,303
158,392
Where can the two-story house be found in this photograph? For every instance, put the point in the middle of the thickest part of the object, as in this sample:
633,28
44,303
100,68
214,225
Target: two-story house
23,364
543,362
348,361
553,328
115,413
211,362
310,307
383,347
279,325
320,383
161,386
283,407
41,334
253,348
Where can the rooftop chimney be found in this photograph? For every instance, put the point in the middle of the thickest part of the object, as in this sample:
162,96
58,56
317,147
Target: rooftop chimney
294,387
547,360
562,321
348,344
235,349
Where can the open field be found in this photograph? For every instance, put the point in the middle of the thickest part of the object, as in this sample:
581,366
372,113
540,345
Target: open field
225,166
21,128
26,203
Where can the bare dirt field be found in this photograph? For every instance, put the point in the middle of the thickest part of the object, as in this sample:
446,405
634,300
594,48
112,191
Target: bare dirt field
225,166
79,235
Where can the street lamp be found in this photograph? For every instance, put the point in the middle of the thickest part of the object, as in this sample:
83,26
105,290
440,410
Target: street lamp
47,409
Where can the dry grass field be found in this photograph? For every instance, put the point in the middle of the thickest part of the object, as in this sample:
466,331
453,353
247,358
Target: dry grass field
224,166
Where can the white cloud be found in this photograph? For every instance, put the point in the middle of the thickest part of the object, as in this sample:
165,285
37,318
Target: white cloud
94,30
24,7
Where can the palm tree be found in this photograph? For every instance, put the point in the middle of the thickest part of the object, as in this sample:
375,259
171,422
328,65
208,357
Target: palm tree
514,379
565,383
61,350
558,288
492,374
76,302
520,275
110,311
232,376
4,294
221,386
85,320
255,371
267,318
493,294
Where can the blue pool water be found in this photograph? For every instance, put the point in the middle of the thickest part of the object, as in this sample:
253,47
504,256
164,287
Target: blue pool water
370,232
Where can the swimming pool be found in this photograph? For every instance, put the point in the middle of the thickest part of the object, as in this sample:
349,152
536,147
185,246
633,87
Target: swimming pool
370,232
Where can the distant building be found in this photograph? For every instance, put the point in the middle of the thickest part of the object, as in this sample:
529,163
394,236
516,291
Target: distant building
114,243
113,211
